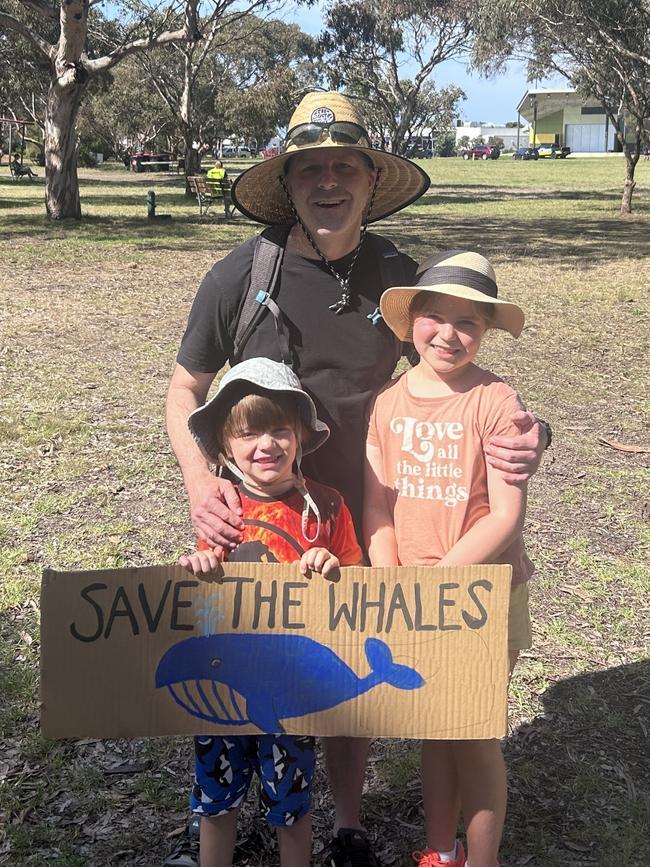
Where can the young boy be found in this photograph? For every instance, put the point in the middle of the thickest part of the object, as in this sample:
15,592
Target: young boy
259,424
423,508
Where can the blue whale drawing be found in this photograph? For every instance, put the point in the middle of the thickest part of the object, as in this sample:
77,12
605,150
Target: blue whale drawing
279,676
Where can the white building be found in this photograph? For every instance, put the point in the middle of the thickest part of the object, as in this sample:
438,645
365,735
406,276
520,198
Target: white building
511,136
564,117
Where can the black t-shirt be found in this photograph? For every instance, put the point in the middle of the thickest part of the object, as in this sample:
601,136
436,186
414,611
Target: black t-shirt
341,360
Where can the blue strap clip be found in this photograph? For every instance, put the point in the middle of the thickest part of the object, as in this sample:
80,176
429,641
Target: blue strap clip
375,316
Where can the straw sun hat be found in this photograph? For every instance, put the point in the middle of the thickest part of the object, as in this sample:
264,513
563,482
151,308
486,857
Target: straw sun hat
326,120
461,273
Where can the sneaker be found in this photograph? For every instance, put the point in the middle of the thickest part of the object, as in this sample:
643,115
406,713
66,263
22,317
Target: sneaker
429,858
350,848
186,852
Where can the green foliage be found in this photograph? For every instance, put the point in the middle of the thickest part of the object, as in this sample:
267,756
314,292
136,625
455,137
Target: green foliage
366,47
445,144
601,48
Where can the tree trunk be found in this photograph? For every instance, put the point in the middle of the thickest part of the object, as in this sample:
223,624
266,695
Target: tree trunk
630,183
61,181
192,160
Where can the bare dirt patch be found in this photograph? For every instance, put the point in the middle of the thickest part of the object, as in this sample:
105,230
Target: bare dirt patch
90,330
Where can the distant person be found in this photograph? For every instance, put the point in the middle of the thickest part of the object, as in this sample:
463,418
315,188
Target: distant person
415,515
217,172
258,425
319,196
21,171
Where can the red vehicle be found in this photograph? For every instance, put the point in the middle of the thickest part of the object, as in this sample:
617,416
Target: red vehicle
270,152
482,152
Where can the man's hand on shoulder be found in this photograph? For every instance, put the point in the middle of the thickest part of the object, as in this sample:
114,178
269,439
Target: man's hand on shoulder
518,457
215,510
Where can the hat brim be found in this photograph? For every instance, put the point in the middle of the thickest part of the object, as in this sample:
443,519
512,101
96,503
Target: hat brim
258,194
203,422
395,306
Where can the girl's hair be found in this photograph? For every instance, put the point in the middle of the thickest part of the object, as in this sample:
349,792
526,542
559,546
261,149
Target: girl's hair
253,410
422,301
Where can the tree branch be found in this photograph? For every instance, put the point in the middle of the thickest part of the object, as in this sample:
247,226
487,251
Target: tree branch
17,26
43,8
109,60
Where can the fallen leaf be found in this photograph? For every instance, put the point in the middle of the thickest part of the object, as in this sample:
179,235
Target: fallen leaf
623,447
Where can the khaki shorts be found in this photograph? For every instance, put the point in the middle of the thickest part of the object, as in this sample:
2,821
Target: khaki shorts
519,631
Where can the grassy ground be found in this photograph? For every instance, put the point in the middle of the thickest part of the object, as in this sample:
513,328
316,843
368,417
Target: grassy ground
91,316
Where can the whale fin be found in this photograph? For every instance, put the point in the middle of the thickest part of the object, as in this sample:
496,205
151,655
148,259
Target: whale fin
262,714
380,660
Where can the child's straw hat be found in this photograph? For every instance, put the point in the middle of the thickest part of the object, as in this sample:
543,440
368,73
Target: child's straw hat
461,273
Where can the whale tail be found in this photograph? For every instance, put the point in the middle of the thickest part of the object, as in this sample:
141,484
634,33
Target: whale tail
380,660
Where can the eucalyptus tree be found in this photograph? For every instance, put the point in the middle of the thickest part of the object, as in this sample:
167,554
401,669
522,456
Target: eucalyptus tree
58,31
386,52
602,48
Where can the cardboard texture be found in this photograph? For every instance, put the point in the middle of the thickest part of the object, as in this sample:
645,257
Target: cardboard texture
393,652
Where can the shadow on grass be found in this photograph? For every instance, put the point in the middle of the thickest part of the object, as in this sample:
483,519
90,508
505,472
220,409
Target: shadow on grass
578,779
580,773
593,241
174,233
418,230
487,194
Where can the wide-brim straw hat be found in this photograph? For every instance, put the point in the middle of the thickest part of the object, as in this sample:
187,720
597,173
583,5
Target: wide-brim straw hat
260,373
461,273
258,192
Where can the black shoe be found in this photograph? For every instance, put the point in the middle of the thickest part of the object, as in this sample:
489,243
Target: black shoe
350,848
186,852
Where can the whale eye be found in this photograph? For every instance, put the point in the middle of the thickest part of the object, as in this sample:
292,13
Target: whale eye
216,662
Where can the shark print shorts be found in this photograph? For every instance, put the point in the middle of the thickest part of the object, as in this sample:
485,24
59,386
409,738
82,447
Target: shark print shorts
224,768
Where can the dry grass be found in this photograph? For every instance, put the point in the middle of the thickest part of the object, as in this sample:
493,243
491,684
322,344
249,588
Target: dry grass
91,317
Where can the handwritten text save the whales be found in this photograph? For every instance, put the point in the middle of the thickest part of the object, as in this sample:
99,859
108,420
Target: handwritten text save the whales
262,605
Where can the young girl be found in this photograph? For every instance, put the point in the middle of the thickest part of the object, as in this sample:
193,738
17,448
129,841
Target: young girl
259,424
465,513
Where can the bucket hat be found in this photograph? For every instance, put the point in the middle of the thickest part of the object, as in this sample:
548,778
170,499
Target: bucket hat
461,273
271,376
326,120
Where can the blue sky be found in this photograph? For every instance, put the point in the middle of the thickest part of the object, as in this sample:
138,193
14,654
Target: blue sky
492,99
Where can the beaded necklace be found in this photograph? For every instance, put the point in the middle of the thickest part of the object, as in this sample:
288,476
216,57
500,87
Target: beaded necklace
344,281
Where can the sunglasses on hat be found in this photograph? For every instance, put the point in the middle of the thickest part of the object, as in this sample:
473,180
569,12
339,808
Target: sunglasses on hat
340,131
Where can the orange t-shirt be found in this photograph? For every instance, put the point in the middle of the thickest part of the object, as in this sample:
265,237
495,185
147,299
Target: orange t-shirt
433,462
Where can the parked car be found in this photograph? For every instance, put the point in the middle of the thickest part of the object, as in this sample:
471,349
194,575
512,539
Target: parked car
483,152
150,161
525,154
554,151
415,152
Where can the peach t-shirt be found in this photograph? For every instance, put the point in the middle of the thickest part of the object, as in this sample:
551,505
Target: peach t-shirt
433,462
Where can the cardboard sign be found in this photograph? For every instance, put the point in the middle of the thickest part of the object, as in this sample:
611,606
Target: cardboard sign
394,652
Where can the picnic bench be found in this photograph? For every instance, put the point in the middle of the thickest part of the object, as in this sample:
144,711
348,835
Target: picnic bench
210,190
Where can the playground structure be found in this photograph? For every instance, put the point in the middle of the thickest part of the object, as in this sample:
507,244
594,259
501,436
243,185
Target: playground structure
22,125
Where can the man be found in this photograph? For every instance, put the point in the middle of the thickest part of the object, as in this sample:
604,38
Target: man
21,171
325,187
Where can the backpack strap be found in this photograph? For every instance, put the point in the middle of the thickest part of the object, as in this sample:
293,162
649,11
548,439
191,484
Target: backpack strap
392,273
265,273
391,266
